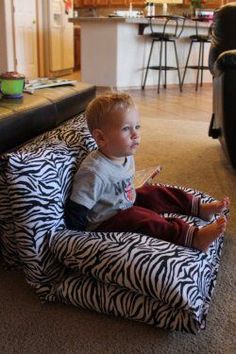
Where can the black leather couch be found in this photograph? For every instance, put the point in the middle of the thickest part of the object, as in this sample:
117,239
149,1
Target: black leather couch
23,119
222,64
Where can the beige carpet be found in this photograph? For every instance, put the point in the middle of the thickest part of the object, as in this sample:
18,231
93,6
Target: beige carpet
188,158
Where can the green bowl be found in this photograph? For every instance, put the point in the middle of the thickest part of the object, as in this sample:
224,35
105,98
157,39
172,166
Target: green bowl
12,87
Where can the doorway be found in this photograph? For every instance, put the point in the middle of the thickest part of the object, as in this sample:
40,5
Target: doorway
25,37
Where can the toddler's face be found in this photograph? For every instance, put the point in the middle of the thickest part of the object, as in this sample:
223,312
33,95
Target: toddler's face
122,134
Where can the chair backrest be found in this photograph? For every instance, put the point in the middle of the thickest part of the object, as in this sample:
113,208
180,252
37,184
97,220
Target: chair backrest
175,24
223,32
198,20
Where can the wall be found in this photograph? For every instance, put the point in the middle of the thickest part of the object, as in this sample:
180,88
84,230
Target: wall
7,62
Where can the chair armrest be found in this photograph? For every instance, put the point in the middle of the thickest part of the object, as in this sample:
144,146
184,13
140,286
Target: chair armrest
226,60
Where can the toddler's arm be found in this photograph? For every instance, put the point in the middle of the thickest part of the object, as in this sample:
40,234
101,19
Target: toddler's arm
76,216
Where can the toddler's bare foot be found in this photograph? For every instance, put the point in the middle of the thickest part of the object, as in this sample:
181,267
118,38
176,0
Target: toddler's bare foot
206,235
207,210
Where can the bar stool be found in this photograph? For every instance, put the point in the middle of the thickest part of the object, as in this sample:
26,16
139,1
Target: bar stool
201,40
164,37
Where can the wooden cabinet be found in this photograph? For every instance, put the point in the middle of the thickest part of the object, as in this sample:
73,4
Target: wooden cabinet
106,3
124,3
84,3
103,3
77,48
138,3
87,3
209,4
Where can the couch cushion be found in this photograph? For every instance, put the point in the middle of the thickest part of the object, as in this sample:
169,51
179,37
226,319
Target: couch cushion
20,168
23,119
148,266
38,184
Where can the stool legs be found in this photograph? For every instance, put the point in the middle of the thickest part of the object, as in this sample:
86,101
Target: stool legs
177,64
165,63
186,65
149,59
200,66
162,67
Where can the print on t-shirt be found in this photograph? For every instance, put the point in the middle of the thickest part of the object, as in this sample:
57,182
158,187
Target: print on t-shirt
126,188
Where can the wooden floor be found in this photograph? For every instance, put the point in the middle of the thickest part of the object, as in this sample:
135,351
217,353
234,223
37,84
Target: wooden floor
171,103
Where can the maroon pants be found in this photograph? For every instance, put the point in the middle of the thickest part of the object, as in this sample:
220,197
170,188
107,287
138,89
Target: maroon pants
144,217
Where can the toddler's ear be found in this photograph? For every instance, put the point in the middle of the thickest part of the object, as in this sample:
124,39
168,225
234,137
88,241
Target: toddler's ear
99,137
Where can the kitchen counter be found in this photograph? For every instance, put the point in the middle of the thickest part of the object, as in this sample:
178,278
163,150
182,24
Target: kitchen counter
113,53
133,20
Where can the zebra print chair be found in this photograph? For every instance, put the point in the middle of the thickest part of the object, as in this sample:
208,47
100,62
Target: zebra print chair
121,274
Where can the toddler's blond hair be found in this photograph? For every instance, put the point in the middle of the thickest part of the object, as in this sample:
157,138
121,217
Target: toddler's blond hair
100,109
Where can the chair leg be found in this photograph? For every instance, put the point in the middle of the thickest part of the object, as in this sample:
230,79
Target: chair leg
186,65
199,64
149,59
160,67
165,63
177,63
202,64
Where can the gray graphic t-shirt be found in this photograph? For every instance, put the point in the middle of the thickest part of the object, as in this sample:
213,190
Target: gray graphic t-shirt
104,187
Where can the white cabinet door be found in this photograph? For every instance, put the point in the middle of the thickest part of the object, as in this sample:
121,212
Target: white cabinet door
55,29
68,43
25,37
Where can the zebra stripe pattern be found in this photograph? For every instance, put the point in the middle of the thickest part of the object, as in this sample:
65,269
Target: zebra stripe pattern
138,262
179,279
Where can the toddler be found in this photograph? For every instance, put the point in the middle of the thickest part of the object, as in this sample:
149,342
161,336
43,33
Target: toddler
103,196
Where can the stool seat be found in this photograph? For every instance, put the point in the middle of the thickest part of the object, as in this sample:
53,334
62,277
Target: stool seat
200,38
162,36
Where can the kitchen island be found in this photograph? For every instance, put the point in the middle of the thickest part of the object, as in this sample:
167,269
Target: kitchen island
114,54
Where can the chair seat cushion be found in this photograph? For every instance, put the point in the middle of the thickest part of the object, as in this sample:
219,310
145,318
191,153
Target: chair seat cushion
200,38
162,36
137,276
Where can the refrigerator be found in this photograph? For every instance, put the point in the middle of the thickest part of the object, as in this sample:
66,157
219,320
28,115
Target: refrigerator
59,50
